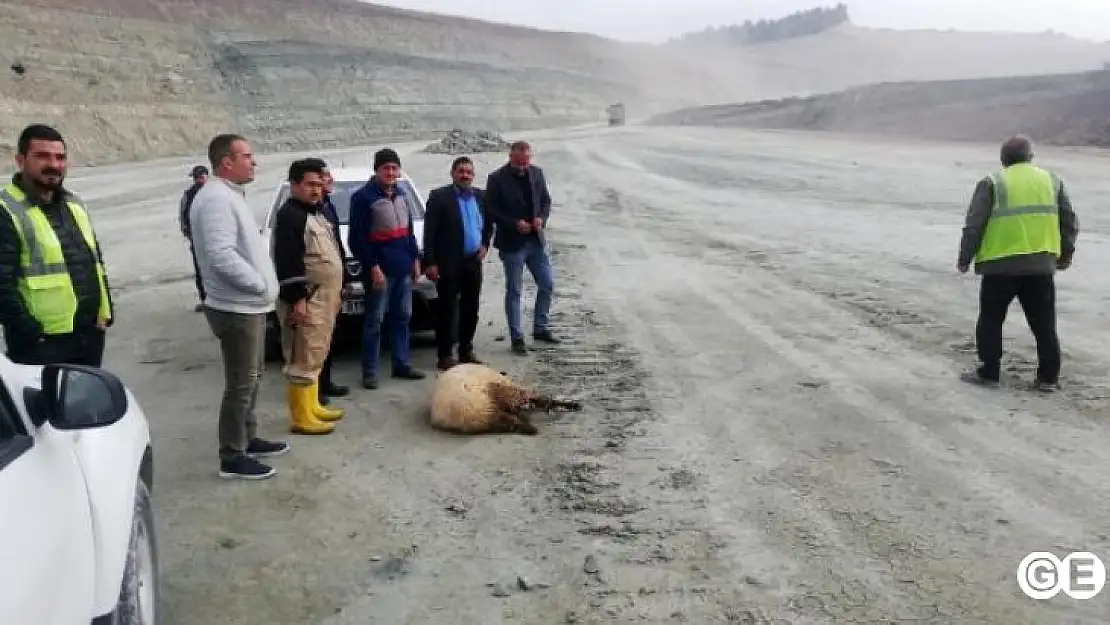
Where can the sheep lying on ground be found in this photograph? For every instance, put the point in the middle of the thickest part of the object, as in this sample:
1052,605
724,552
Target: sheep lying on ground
474,399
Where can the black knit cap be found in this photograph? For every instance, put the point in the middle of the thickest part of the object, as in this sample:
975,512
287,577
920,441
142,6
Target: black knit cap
386,155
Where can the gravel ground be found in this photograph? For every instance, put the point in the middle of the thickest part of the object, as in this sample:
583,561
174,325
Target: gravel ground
765,329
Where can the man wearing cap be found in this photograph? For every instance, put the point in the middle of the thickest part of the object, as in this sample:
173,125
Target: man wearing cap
199,176
1020,229
382,238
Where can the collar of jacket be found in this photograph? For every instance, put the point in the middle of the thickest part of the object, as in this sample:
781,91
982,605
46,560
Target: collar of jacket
377,192
460,192
515,172
60,195
312,208
241,189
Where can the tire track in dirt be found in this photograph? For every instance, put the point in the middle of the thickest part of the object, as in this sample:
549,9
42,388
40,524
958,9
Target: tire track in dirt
633,504
924,321
927,579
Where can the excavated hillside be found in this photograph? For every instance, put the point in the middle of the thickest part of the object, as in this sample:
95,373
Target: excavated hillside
137,79
1066,109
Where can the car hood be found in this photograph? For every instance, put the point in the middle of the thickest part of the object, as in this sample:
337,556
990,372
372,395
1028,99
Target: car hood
344,230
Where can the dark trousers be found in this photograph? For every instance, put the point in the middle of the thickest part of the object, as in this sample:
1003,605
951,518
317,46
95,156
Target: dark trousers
1037,296
457,308
83,347
242,340
196,272
325,373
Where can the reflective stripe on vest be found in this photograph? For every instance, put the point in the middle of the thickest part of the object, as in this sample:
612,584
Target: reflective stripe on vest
45,285
1025,217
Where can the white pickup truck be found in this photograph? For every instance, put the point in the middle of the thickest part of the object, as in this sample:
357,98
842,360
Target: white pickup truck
346,182
76,524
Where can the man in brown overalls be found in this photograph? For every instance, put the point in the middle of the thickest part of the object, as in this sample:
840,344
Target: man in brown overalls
309,266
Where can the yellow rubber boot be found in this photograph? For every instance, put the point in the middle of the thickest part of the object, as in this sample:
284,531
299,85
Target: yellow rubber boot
301,403
321,412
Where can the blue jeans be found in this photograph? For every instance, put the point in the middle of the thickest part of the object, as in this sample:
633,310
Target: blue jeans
396,298
534,256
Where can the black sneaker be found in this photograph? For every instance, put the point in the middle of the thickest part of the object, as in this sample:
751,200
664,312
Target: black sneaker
545,336
467,356
245,468
1046,387
260,448
519,347
977,378
408,373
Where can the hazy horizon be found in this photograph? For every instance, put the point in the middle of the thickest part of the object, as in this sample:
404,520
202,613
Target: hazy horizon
656,21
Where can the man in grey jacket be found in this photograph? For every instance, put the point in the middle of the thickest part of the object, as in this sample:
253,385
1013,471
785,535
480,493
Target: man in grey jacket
1019,230
241,288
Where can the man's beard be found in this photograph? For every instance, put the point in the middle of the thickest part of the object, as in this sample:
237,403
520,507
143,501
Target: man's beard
49,186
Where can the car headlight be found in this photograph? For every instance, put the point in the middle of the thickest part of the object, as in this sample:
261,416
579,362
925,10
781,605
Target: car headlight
354,268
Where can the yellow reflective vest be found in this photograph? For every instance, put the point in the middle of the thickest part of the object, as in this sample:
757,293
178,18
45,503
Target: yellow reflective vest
44,283
1025,217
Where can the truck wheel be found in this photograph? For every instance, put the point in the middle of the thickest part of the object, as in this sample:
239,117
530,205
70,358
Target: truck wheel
140,596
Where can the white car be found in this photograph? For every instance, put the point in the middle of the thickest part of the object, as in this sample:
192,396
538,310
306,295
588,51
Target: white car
76,522
346,182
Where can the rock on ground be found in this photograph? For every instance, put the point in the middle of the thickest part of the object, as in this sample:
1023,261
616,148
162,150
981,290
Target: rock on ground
462,142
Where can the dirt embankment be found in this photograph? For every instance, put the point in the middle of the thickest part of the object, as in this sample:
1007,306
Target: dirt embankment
1068,109
136,79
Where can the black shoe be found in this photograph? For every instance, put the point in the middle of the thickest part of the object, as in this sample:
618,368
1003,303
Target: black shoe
334,390
1046,387
245,468
519,347
408,373
199,307
445,362
467,356
545,336
370,382
977,378
261,448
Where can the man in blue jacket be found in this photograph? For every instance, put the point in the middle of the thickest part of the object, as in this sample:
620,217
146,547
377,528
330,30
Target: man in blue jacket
381,237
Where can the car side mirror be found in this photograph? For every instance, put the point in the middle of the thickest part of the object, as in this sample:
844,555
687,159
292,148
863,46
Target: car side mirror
77,397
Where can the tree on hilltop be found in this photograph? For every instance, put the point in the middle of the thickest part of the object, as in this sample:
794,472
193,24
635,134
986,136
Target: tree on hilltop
797,24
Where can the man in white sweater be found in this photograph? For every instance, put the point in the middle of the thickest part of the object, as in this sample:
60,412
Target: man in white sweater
241,288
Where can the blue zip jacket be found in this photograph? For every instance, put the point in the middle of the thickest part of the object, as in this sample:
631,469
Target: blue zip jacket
381,230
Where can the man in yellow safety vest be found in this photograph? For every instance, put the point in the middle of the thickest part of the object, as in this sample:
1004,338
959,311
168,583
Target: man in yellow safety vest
54,300
1020,229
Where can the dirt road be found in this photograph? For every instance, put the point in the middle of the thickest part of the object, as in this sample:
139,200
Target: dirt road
766,330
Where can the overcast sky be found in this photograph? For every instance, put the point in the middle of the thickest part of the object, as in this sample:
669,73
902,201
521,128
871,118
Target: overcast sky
655,20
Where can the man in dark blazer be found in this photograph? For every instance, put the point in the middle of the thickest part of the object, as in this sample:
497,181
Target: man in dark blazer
457,233
518,202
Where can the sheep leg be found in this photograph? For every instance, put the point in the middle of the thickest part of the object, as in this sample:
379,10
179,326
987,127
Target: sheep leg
547,402
510,423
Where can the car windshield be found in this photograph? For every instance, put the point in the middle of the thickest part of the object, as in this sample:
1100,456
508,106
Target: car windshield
341,197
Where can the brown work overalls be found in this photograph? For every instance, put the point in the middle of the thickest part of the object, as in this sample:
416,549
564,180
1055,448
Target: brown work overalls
306,345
